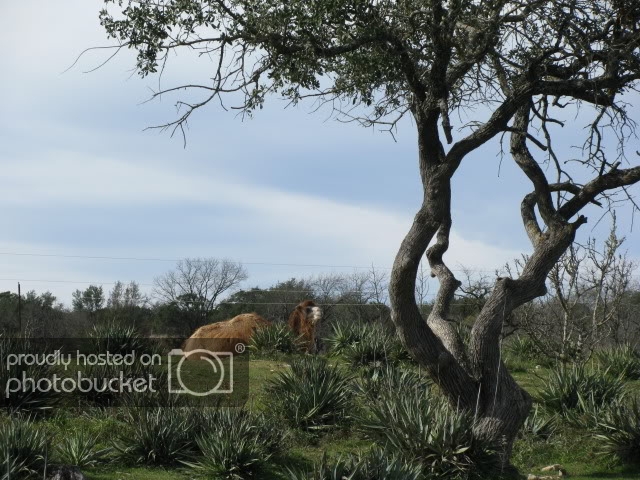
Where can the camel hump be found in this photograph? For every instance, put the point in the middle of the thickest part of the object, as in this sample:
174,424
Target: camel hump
238,329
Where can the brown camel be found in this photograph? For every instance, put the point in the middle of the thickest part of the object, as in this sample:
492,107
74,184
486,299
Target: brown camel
303,321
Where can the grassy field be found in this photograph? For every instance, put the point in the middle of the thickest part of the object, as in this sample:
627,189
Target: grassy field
576,450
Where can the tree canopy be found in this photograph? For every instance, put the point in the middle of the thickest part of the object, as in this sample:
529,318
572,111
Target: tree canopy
506,68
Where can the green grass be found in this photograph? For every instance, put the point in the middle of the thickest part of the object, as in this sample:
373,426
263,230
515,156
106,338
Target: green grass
574,449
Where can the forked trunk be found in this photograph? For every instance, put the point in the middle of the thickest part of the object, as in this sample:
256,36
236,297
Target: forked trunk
473,377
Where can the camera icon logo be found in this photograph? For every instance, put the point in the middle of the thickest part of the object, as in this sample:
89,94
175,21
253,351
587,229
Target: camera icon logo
178,382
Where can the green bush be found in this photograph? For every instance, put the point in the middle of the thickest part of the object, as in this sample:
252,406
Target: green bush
104,397
159,436
24,448
235,444
619,432
522,354
311,395
374,348
277,338
80,448
344,335
572,390
622,361
26,400
425,429
116,337
538,425
374,465
523,347
370,345
379,382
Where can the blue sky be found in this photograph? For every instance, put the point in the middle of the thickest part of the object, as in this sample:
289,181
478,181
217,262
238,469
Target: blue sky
80,176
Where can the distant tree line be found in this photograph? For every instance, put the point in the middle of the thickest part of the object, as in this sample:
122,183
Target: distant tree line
593,300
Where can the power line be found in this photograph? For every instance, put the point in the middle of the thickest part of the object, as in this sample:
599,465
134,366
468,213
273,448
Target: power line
158,259
66,281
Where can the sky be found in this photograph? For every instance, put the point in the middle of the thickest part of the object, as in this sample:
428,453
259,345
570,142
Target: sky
289,192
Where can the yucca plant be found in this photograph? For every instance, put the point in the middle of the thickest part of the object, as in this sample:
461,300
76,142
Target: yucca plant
589,411
523,347
522,354
116,337
570,388
538,424
376,464
80,448
101,395
159,436
344,335
619,432
276,338
26,399
379,382
311,395
427,430
24,448
374,348
622,361
235,444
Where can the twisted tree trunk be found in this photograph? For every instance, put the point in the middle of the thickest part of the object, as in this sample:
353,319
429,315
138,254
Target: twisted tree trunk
473,377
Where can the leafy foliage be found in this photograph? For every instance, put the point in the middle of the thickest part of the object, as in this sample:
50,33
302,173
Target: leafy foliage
26,399
571,389
538,424
376,464
235,444
426,429
159,436
620,432
80,448
621,361
23,449
118,338
276,338
380,382
311,395
369,345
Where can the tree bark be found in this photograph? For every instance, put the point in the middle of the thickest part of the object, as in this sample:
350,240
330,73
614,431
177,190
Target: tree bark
473,378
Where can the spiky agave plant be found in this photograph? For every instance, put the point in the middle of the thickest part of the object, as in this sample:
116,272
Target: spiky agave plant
425,429
27,399
391,378
621,361
276,338
311,395
372,465
619,432
235,444
568,388
539,424
24,448
116,337
80,448
344,335
159,436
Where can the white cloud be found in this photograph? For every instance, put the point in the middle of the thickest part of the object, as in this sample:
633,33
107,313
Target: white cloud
276,226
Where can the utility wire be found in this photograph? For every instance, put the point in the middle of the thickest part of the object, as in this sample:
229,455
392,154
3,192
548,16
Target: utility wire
158,259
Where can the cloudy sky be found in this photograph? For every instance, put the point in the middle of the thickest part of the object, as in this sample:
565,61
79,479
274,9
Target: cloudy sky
289,192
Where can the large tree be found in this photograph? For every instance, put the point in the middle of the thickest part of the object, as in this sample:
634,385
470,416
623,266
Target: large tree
196,285
514,64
